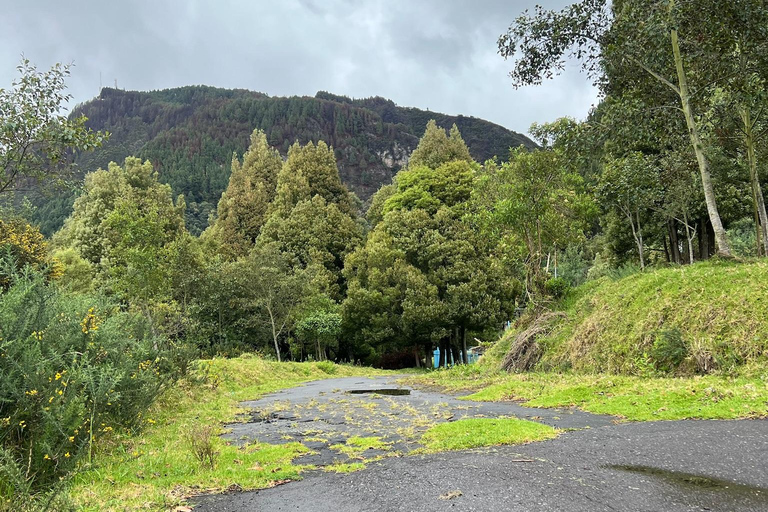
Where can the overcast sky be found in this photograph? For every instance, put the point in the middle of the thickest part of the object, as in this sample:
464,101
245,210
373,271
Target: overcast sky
439,55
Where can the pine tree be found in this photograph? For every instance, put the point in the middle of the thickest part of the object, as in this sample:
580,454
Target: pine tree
436,147
243,207
309,171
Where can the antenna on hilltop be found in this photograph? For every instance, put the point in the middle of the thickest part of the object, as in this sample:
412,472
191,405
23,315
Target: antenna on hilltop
115,83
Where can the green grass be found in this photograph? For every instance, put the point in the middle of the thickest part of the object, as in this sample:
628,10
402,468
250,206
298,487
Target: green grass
349,467
606,357
480,432
629,397
637,398
156,469
719,309
356,446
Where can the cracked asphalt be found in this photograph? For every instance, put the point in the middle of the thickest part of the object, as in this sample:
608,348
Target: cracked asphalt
597,464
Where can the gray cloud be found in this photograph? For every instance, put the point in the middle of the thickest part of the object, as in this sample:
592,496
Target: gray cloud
435,54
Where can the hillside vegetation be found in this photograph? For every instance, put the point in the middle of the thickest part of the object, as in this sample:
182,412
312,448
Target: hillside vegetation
672,343
189,134
701,318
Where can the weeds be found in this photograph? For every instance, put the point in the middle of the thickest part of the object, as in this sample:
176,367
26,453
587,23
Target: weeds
200,440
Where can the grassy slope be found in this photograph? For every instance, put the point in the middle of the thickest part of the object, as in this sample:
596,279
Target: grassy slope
156,469
720,310
598,359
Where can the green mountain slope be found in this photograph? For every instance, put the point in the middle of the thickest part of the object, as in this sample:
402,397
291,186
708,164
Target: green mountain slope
190,133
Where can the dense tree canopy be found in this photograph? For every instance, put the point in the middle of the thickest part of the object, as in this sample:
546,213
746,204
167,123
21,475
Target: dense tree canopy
242,209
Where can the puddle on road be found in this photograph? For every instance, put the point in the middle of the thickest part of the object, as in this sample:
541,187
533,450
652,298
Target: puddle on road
384,391
691,481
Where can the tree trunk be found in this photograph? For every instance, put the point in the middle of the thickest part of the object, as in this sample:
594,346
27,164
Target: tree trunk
637,235
441,347
456,347
640,243
456,355
416,356
674,242
689,236
274,333
761,218
428,360
703,239
666,250
555,258
463,337
723,247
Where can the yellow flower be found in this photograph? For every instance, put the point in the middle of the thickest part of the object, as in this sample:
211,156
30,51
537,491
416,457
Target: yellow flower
22,423
66,455
58,376
31,392
60,392
71,439
47,457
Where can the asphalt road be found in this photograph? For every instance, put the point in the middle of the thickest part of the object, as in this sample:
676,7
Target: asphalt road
603,466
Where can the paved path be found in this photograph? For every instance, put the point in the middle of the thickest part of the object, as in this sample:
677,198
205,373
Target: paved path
658,466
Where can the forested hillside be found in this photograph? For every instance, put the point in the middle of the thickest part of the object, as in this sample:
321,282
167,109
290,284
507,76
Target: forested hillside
190,133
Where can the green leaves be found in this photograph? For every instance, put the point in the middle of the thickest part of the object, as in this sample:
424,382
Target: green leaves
125,224
534,203
436,148
541,42
424,270
36,137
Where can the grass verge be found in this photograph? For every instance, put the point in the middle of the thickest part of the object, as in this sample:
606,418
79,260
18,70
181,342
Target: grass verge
158,468
629,397
481,432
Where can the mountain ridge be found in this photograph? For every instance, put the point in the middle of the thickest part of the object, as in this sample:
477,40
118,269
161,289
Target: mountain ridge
190,133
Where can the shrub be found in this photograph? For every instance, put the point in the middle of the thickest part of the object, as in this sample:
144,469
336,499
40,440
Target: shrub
601,267
556,287
200,440
73,273
22,244
327,367
73,368
669,350
573,266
